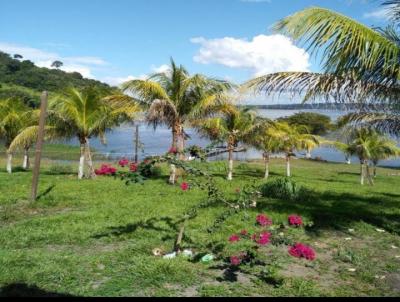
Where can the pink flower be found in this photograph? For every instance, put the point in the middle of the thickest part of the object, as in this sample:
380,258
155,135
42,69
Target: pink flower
234,238
262,239
185,186
106,170
173,150
133,167
300,250
295,220
263,220
235,261
123,162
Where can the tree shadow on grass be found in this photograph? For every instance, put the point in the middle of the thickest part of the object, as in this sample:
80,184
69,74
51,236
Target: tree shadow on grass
171,229
331,210
25,290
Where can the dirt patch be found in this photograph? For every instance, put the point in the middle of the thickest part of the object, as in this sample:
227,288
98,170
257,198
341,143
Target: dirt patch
393,281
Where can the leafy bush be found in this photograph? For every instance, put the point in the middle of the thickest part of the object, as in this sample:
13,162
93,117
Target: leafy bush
286,189
60,169
148,169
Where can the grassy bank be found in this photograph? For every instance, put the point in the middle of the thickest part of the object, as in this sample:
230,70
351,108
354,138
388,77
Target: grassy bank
96,237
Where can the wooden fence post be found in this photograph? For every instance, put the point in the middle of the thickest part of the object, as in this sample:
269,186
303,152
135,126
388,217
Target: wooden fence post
39,144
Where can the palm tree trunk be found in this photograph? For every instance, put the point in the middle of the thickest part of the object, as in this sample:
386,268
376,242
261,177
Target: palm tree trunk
362,174
370,180
266,161
308,154
172,174
230,161
375,171
9,162
348,160
82,161
288,171
26,162
91,173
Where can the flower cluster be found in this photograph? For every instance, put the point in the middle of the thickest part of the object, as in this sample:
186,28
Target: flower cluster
263,220
123,162
300,250
185,186
173,150
262,239
106,170
133,167
234,238
295,220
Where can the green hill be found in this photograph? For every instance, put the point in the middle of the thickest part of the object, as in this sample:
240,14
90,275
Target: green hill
25,80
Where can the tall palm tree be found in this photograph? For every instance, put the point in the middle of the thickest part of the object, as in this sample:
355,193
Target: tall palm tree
175,98
265,140
233,127
14,117
82,114
361,64
293,138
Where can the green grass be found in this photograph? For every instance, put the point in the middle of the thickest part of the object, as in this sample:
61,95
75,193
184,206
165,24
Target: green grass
95,237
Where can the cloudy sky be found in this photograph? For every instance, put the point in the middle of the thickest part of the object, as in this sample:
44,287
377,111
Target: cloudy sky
117,40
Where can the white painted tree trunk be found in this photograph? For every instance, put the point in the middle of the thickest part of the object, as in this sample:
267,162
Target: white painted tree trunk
26,163
172,175
9,162
81,162
266,160
288,171
362,174
348,160
308,154
91,173
230,164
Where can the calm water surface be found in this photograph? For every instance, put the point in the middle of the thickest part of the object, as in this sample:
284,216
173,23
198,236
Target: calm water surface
120,141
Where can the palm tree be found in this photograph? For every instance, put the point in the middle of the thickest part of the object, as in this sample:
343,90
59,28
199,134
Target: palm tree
233,127
175,99
369,146
82,114
361,65
293,138
265,140
14,117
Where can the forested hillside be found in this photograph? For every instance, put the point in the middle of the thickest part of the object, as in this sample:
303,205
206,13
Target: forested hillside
23,79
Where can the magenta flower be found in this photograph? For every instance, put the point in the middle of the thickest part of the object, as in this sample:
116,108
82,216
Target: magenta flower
172,150
185,186
235,261
106,170
133,167
300,250
123,162
263,220
295,220
234,238
262,239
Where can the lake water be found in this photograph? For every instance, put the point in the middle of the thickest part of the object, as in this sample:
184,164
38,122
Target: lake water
120,141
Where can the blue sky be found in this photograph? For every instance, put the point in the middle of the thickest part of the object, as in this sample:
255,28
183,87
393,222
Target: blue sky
116,40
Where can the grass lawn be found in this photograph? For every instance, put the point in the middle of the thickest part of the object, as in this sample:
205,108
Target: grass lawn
95,237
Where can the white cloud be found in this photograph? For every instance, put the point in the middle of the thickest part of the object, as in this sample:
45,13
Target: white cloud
160,69
262,55
379,14
41,58
117,81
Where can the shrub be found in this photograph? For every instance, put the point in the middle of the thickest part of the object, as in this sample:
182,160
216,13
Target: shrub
286,189
60,170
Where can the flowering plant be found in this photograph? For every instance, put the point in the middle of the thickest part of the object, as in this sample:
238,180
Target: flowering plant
123,162
263,220
106,170
295,220
300,250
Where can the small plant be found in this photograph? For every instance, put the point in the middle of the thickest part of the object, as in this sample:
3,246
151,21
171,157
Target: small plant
60,170
285,189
